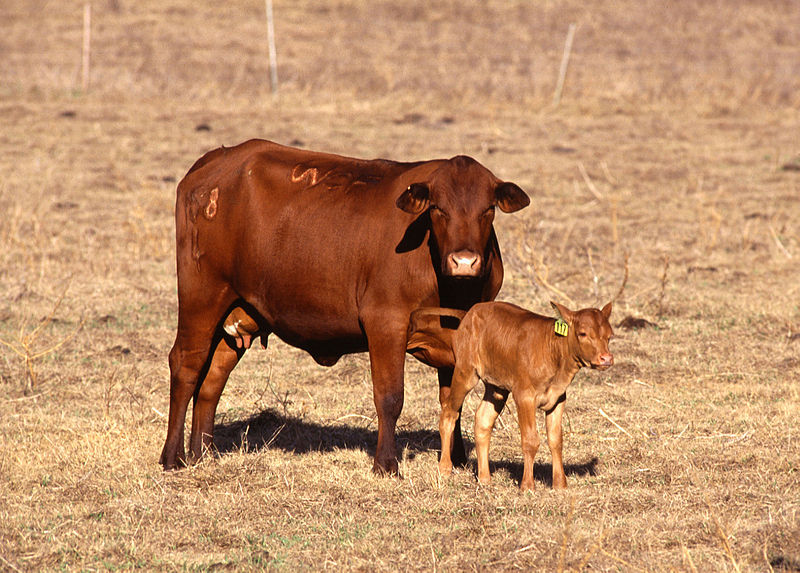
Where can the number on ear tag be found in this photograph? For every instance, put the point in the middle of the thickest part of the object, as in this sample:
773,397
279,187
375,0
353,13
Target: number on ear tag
561,328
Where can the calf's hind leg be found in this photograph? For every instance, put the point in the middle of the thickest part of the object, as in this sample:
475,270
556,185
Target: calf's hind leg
526,412
458,452
494,399
464,380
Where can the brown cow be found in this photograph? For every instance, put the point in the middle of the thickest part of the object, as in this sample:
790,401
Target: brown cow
329,253
512,350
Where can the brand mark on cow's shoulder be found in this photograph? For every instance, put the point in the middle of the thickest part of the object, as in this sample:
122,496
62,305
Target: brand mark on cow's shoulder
309,175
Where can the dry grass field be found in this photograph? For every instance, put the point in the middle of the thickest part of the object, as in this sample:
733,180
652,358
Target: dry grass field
668,179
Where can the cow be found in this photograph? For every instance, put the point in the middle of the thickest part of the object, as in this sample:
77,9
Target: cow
329,253
512,350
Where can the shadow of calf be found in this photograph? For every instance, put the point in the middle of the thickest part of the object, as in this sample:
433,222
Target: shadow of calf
543,473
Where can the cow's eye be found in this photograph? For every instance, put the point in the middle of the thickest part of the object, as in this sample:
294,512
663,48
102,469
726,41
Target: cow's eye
439,211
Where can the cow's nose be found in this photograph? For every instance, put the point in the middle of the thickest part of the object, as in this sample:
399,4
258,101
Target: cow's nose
464,264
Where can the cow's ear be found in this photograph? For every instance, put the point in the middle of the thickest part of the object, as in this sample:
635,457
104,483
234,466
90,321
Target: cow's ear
606,312
563,312
511,198
415,199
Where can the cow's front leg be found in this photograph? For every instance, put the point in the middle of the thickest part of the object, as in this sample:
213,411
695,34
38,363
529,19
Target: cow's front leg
387,351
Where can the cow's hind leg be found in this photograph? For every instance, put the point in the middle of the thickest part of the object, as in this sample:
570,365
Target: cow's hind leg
207,395
239,330
188,362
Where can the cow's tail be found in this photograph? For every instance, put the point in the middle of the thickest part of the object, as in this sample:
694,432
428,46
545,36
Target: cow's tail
430,335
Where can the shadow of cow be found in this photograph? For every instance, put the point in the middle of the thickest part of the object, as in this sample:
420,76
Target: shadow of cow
272,429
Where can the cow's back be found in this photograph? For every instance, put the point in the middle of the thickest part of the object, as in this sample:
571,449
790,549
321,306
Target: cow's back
302,236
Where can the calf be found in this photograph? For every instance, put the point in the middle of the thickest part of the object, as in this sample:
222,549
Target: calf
512,350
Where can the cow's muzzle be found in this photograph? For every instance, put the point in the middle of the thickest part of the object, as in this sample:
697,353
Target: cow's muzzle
463,264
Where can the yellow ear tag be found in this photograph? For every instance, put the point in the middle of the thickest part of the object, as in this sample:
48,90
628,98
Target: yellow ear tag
561,328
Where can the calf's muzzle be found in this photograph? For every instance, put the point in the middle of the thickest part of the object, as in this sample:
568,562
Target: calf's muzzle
605,360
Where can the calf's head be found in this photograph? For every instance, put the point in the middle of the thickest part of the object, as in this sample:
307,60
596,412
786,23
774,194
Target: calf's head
461,197
588,333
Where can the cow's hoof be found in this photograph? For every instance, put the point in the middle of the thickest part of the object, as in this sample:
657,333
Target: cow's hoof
387,469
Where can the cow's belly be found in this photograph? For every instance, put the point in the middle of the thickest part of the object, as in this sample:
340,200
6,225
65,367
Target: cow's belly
303,311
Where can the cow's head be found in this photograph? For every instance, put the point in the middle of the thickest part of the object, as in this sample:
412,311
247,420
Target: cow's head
589,332
461,197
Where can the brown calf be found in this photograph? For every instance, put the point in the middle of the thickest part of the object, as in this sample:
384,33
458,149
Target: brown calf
512,350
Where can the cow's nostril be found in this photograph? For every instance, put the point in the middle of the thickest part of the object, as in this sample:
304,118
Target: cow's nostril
464,263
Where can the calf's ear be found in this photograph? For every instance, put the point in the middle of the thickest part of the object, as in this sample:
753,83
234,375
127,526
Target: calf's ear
562,312
606,312
415,199
511,198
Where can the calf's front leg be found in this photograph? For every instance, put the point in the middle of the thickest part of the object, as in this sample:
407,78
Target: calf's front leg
526,412
552,422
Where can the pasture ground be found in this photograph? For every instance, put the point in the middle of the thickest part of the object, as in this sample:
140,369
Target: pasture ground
668,178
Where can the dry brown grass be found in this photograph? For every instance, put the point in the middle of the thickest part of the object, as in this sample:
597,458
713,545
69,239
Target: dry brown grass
668,145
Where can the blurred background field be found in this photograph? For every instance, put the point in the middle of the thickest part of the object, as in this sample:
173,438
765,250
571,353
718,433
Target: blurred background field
667,177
